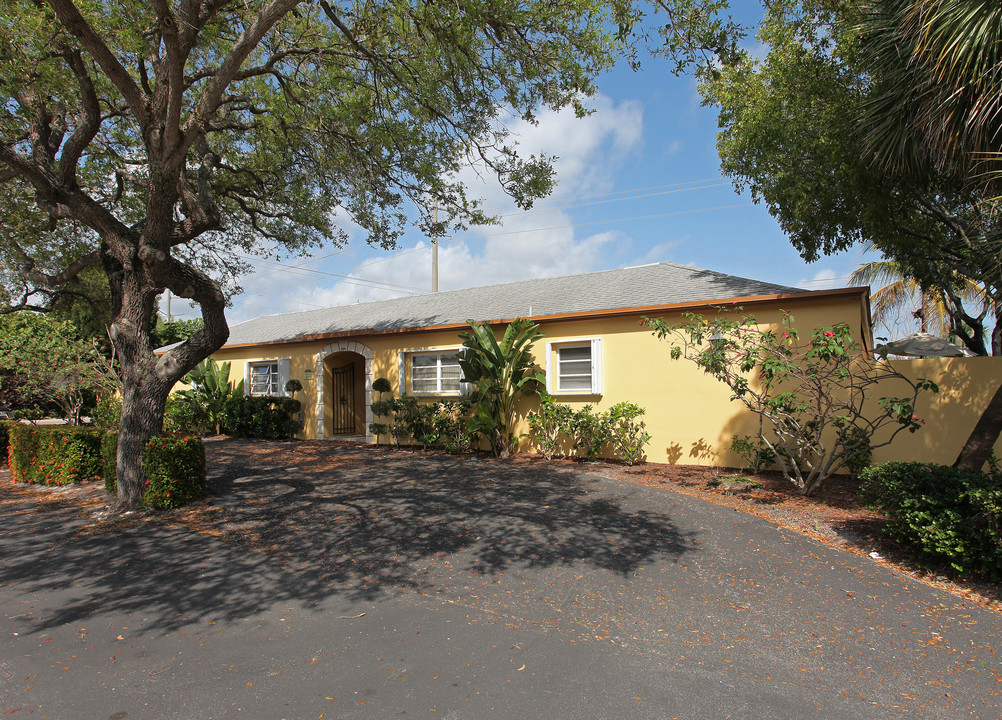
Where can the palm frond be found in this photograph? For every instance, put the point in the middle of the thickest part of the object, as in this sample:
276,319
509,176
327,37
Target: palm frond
937,72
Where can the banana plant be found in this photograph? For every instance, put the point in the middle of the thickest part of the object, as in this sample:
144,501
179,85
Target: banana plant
501,374
210,389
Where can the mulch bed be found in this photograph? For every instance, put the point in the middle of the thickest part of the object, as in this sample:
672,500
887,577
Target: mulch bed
835,516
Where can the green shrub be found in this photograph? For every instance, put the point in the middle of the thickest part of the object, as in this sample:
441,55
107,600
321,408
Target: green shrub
627,434
556,425
175,472
48,455
262,416
211,390
549,427
946,514
451,423
417,419
109,461
183,416
756,454
107,413
858,453
589,430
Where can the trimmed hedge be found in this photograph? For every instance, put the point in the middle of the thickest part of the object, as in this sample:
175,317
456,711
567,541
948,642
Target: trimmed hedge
4,441
947,515
174,466
54,455
175,472
262,416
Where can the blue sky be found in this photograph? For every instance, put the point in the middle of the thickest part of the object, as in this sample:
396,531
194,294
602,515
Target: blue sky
638,182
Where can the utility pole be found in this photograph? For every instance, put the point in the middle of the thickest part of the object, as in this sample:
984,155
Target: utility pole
434,251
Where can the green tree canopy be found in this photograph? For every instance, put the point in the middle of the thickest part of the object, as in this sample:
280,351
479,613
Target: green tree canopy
47,359
791,132
153,139
937,98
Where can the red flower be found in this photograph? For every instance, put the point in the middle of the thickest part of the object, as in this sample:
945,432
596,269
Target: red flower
829,333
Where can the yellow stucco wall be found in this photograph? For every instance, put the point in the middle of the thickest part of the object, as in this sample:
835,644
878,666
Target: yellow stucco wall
688,413
965,387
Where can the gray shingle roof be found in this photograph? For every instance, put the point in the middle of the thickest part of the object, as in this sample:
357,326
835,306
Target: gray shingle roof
663,283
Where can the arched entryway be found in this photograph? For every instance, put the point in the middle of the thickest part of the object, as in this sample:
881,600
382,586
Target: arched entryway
344,390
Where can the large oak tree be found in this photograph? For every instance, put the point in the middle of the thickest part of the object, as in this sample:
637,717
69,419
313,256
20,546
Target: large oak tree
154,139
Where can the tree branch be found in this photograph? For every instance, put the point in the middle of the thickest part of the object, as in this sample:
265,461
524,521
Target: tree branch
78,27
188,282
211,97
86,129
51,280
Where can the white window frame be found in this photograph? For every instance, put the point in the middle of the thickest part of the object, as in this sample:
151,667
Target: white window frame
553,348
405,373
283,376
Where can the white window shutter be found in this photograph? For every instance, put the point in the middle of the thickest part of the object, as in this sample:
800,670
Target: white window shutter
247,379
596,366
549,368
283,375
401,376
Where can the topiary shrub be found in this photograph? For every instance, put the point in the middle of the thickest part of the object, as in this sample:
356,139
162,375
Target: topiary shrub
947,515
109,461
175,472
47,455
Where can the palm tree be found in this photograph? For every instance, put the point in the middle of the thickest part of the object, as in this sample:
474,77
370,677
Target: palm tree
938,85
898,290
937,101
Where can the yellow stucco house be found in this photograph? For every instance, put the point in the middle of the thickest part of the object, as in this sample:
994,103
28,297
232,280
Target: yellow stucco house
595,351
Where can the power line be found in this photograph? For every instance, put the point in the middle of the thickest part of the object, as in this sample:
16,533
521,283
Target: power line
408,289
305,271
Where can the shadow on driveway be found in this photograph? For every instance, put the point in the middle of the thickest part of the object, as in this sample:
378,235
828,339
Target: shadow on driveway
308,521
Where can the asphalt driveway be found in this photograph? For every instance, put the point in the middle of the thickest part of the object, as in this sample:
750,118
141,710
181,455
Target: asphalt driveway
338,582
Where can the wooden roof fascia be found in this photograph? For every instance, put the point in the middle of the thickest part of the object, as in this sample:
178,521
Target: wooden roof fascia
558,317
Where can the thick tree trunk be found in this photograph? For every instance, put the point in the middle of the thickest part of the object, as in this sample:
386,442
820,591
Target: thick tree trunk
147,379
143,401
984,436
144,395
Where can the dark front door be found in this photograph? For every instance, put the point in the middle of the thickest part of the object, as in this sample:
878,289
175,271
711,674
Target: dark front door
344,399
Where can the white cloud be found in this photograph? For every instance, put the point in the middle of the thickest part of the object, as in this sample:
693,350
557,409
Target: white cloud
540,243
662,251
822,280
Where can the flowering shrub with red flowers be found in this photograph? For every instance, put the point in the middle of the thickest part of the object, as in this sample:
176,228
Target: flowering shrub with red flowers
4,442
49,455
810,394
175,472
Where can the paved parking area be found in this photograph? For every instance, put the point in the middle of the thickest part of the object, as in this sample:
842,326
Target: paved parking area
359,583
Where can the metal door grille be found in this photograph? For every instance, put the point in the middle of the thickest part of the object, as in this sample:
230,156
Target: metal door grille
343,382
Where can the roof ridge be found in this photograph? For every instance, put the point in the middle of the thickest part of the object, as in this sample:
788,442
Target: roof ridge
655,284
